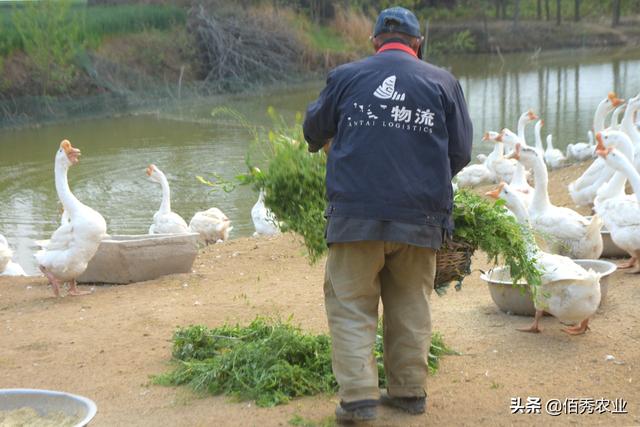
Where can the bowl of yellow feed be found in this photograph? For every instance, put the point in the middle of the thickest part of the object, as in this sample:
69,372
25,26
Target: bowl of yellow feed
44,408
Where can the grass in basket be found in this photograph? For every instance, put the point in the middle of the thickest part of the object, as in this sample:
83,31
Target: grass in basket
268,361
294,182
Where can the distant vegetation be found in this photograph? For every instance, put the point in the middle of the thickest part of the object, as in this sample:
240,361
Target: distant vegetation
75,48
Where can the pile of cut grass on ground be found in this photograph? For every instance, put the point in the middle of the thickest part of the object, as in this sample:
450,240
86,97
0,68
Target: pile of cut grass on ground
268,361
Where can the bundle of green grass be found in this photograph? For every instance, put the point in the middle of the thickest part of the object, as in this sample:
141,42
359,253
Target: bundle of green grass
267,361
294,182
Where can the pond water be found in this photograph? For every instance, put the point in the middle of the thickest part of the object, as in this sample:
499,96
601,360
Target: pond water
563,88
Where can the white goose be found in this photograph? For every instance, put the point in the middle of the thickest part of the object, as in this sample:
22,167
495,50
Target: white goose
538,138
165,221
622,214
519,181
552,156
7,266
628,126
615,187
575,236
583,190
569,292
264,220
75,242
520,184
525,118
614,124
212,225
474,175
488,136
582,150
501,167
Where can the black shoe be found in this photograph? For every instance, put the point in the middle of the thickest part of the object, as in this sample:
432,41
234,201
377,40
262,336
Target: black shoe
359,410
412,405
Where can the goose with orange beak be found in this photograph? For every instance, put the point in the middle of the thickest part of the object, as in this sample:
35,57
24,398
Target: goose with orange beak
584,189
568,292
76,241
621,213
496,162
164,220
525,118
568,233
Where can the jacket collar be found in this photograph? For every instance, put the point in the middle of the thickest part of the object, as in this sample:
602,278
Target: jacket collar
397,46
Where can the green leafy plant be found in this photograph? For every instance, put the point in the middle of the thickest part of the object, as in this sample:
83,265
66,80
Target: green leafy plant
269,362
51,37
487,226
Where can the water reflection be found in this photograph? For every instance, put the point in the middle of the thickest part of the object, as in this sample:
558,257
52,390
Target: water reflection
562,89
184,142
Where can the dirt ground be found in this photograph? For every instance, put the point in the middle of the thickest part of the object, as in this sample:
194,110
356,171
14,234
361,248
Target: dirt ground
107,345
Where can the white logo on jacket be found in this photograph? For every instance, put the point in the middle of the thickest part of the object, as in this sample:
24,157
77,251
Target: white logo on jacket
387,90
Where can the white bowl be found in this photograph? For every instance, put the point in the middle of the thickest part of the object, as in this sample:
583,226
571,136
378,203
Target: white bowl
518,299
126,259
45,402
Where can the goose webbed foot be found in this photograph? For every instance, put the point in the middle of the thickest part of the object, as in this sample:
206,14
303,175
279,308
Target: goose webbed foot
55,283
579,329
73,290
534,327
628,263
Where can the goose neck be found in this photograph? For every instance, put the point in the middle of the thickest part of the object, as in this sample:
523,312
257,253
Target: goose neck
599,116
541,191
165,206
522,123
69,201
615,186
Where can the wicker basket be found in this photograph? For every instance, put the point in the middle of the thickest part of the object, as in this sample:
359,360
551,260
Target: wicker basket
453,262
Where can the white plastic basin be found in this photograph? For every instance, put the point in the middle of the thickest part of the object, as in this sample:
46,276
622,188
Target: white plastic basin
518,299
46,402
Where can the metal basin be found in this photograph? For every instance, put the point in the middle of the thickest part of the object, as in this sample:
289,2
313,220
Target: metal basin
518,299
136,258
46,402
609,248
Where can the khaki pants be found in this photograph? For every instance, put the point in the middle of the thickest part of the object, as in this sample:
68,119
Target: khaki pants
357,275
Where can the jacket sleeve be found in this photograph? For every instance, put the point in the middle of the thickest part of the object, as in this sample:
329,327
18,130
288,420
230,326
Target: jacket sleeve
460,131
321,121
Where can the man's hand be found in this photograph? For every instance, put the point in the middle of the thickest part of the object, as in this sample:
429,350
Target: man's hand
326,147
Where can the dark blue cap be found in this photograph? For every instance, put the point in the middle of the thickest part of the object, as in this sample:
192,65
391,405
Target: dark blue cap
397,20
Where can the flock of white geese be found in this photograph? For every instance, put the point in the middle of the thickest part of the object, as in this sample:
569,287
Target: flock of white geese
568,291
65,256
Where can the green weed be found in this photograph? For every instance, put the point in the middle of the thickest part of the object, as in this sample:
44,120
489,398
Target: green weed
269,362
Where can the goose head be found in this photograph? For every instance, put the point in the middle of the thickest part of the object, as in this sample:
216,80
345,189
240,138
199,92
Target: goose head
154,173
67,154
496,192
614,138
613,101
505,192
524,154
528,116
490,136
613,158
509,138
512,200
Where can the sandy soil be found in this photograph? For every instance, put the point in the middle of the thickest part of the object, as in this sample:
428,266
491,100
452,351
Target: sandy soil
107,345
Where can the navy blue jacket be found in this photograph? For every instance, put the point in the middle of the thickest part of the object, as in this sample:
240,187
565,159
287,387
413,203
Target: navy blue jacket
400,130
